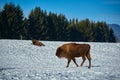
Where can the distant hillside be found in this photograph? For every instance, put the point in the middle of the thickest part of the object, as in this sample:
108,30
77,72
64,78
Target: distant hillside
116,29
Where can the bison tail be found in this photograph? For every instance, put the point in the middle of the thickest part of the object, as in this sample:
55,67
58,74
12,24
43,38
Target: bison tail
88,54
43,45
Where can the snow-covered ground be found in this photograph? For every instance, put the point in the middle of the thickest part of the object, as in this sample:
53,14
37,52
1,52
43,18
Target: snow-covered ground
20,60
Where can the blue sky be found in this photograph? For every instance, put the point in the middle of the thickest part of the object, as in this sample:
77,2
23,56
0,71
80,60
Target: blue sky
95,10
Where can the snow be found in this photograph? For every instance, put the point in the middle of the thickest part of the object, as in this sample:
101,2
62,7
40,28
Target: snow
20,60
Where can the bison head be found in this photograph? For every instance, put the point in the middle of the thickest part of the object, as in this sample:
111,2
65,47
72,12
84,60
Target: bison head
59,52
34,41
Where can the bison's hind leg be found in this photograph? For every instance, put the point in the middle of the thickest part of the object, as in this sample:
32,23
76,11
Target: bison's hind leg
89,59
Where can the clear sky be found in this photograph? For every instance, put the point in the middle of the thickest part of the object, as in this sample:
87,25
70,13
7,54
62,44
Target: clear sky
95,10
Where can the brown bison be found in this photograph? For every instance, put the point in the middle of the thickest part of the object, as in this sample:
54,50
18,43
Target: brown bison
36,42
72,50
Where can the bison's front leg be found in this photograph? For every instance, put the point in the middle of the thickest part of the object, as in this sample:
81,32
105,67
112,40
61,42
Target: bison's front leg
75,61
83,57
69,60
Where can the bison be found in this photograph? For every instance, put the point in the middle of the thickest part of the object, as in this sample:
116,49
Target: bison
72,50
36,42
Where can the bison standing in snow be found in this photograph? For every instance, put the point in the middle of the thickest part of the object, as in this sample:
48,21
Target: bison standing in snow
72,50
36,42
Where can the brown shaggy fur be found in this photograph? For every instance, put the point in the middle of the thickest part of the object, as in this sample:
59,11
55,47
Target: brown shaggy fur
72,50
36,42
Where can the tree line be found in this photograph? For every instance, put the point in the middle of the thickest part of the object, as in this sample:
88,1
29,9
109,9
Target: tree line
50,26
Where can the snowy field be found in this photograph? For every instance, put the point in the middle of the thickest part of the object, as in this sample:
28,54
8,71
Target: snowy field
20,60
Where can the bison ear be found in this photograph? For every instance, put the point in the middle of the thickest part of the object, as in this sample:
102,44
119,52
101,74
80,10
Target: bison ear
59,49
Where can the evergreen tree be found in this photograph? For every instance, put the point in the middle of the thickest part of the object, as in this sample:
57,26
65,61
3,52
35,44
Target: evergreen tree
12,21
1,24
111,36
41,25
37,24
61,28
53,24
24,31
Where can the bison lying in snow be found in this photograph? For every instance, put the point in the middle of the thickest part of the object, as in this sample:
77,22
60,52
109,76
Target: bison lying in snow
72,50
36,42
